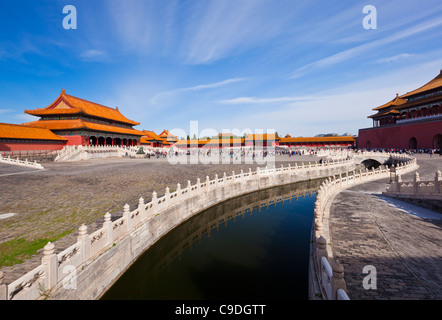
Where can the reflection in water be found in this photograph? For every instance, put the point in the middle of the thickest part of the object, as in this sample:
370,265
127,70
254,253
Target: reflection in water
252,247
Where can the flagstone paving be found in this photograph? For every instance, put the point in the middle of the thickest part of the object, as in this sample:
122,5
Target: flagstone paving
403,242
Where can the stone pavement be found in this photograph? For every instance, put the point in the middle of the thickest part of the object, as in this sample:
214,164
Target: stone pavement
62,197
403,242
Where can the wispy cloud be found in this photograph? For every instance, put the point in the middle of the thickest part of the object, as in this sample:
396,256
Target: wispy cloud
366,47
395,58
3,111
197,88
93,55
254,100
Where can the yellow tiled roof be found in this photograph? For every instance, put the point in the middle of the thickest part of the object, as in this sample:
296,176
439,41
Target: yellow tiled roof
16,131
79,124
67,104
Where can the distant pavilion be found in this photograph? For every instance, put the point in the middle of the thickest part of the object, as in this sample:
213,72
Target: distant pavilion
335,141
409,121
151,139
84,122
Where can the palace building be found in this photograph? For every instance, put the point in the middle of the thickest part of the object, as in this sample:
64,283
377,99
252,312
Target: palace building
84,122
318,142
151,139
15,137
170,138
409,121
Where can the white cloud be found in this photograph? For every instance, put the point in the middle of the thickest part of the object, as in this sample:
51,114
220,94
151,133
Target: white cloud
196,88
366,47
254,100
2,111
394,58
92,54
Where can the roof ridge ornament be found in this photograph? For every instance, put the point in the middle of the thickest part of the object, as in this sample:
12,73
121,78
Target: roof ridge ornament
63,91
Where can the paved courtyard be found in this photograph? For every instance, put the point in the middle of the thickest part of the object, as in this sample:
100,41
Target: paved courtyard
58,200
402,241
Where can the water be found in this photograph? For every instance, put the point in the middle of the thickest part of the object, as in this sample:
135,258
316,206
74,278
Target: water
251,254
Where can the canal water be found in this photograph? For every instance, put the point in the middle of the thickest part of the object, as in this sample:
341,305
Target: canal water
252,247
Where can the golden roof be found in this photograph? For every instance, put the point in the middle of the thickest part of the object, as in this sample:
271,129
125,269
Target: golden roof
67,104
433,84
167,134
150,135
261,137
318,139
393,103
81,124
16,131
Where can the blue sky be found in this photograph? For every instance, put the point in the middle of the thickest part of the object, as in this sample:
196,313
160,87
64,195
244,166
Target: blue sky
297,67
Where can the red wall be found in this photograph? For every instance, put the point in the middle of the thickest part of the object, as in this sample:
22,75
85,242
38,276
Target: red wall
75,140
22,146
399,136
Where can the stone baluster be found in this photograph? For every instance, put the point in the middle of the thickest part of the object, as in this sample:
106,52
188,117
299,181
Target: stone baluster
321,250
49,259
437,182
83,237
178,191
3,287
338,281
189,188
207,183
107,225
126,214
142,209
167,197
416,181
155,202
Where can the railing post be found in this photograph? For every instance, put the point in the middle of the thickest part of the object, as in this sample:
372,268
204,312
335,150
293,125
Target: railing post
126,213
321,251
107,225
416,183
338,281
142,209
437,180
3,288
167,196
155,202
83,237
178,191
49,259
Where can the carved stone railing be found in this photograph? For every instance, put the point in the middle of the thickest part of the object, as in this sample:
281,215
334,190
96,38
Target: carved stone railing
87,268
416,189
329,272
97,259
18,162
76,153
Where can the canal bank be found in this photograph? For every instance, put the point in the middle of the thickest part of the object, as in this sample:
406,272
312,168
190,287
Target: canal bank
397,241
254,246
97,259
